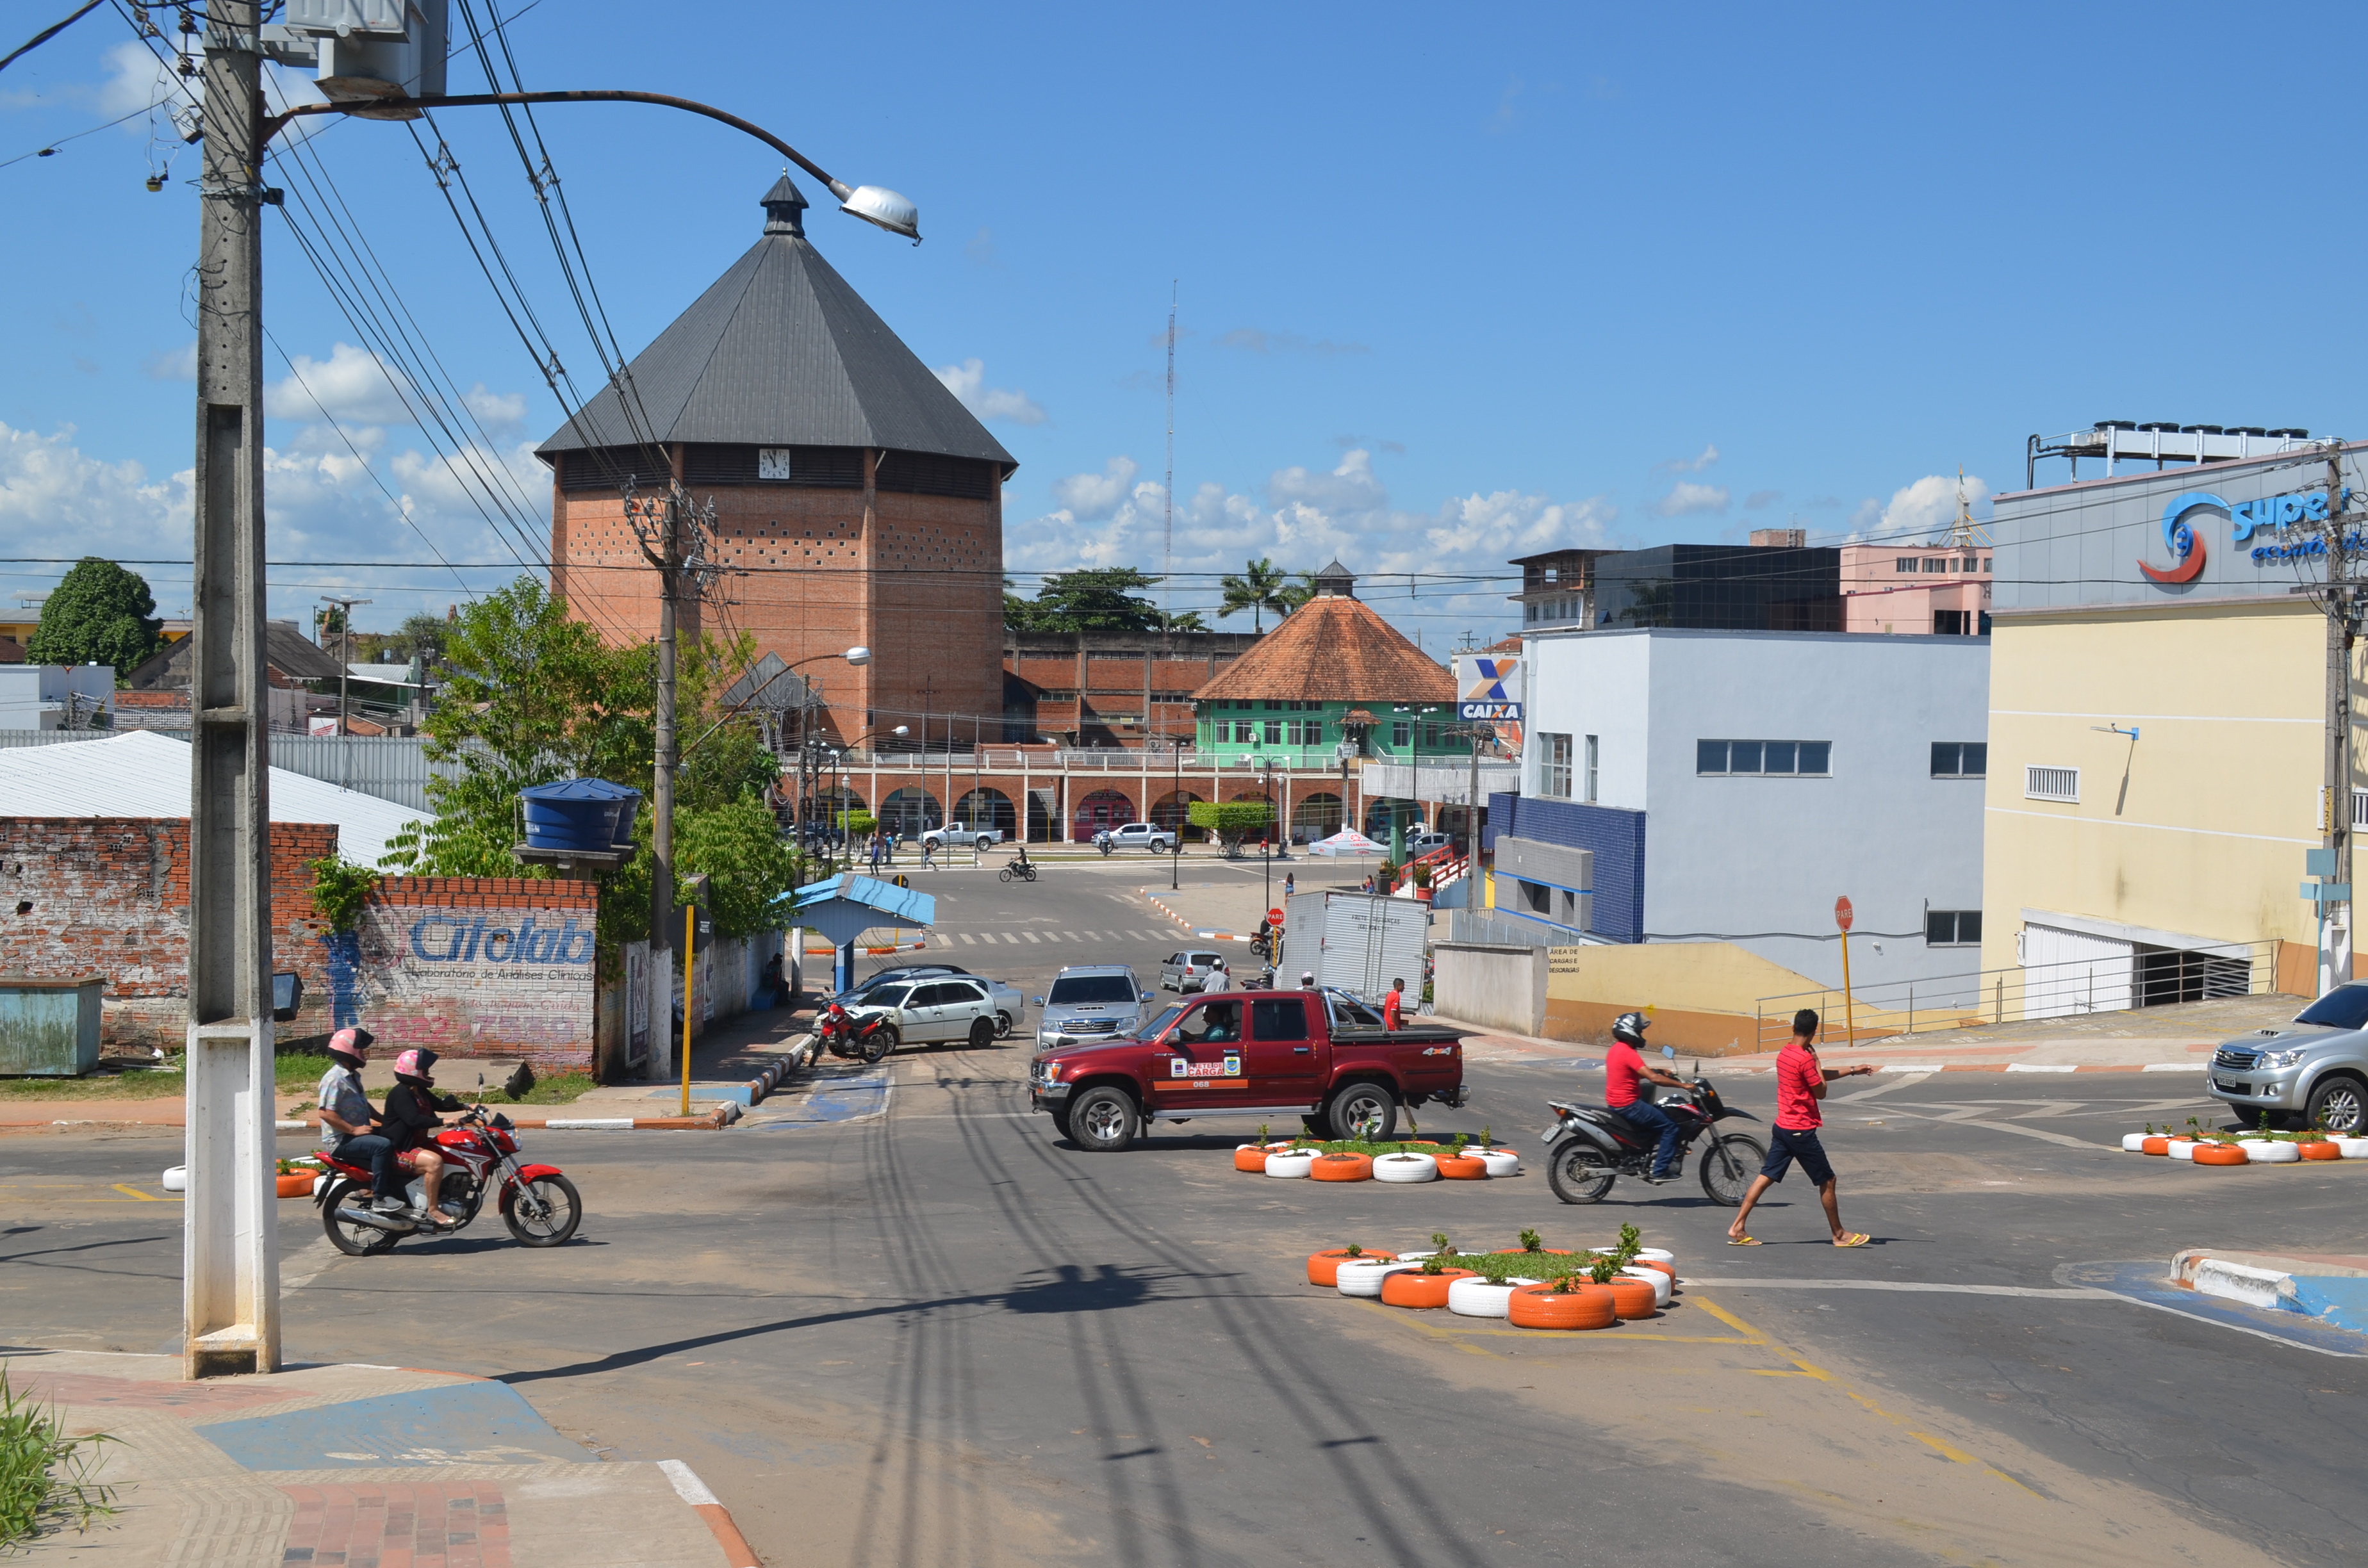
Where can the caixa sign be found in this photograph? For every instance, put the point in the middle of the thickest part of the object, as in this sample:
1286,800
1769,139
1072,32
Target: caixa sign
448,939
1491,712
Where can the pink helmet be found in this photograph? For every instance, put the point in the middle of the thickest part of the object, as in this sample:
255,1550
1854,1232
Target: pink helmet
355,1044
415,1064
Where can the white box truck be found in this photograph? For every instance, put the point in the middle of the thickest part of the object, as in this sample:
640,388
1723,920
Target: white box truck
1357,941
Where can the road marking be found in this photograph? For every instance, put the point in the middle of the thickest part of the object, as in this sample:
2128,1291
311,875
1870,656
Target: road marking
1074,936
2040,1067
1029,935
1914,1077
2172,1067
1965,1118
135,1192
966,940
1456,1331
1014,940
2066,1292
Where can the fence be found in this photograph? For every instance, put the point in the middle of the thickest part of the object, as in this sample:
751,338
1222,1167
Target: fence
2026,993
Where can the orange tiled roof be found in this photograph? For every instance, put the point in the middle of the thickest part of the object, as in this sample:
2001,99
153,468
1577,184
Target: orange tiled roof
1332,649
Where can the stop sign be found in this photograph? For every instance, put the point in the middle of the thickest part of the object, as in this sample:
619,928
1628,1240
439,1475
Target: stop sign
1842,914
1274,916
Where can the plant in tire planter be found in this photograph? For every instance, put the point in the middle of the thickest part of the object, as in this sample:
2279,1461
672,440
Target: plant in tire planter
1341,1167
1426,1284
1457,1166
1290,1165
2319,1149
1405,1167
1250,1157
1565,1304
1323,1267
2219,1155
1363,1277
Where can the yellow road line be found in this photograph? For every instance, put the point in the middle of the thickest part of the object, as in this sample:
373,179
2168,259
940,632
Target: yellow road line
135,1192
1460,1328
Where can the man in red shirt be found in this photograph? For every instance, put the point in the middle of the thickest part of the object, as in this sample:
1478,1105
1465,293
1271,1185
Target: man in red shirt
1623,1066
1392,1003
1800,1084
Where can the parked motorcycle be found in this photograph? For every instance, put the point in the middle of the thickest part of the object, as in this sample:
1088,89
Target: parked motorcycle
844,1035
1593,1146
540,1207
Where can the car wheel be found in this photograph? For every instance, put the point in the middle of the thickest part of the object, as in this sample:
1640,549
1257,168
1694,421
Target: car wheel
2339,1105
1103,1121
982,1033
1367,1111
1003,1026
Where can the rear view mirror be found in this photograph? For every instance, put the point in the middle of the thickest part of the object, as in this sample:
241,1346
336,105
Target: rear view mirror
1035,1001
1670,1051
1145,996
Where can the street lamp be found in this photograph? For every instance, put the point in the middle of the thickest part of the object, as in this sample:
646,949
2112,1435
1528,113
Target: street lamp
1263,767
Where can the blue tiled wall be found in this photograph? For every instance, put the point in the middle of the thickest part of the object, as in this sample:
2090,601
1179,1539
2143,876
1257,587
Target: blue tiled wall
1616,836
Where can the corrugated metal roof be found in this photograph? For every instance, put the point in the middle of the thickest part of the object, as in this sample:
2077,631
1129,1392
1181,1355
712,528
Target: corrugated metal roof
781,351
142,775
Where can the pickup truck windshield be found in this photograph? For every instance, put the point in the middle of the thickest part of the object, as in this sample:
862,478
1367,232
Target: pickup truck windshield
2345,1008
1159,1025
1071,990
1349,1013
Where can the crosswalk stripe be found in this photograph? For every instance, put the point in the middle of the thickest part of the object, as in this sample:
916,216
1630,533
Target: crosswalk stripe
1051,936
1029,935
1072,936
1011,938
968,940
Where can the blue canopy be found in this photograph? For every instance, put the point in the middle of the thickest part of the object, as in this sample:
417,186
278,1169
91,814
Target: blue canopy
843,907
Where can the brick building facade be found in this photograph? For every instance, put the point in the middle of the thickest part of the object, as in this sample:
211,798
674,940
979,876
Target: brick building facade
1096,689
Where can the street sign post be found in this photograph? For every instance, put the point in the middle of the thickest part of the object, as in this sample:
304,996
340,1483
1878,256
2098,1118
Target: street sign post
1845,916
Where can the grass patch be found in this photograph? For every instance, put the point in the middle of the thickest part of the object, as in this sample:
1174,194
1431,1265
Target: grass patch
558,1089
44,1474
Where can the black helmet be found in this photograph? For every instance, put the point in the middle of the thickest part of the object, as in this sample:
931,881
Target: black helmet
1631,1028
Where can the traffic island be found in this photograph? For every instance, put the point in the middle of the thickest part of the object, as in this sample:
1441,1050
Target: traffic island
1530,1286
1406,1162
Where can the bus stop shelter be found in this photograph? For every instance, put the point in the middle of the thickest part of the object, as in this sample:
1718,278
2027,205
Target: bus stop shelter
842,908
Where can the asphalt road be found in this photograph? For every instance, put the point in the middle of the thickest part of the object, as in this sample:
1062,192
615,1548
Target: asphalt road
940,1333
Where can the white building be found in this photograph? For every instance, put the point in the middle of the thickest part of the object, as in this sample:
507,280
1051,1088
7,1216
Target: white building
1731,785
56,697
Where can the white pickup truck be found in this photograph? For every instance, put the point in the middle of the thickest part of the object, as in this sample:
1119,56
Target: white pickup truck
962,836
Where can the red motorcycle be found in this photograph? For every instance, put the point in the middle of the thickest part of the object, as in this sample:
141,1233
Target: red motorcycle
844,1035
540,1207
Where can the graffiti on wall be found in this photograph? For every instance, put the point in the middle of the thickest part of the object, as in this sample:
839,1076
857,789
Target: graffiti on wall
473,982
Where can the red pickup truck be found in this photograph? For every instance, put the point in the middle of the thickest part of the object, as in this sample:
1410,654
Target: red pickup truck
1321,1056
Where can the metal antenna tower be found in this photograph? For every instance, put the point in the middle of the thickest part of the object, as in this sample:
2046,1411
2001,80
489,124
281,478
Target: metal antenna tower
1167,487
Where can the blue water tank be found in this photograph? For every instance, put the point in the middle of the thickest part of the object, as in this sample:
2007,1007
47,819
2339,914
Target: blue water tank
590,815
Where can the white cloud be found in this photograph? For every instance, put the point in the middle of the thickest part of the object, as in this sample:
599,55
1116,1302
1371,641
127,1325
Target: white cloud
1758,498
56,501
351,385
173,364
1095,496
495,411
1927,506
1690,465
135,78
967,382
1689,498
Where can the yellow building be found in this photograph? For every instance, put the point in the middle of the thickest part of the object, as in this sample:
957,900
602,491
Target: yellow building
2157,734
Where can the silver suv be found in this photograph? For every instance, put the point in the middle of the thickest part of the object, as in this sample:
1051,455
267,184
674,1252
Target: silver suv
1090,1002
2315,1069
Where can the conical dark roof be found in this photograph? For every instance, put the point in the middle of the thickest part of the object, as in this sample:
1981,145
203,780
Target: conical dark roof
781,351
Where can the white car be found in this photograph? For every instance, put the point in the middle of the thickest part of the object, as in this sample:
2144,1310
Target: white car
934,1007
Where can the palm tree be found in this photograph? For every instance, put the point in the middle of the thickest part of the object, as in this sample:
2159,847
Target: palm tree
1259,588
1297,592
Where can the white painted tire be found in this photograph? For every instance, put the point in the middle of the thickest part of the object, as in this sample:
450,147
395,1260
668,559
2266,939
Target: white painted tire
2180,1149
1501,1162
1656,1255
1365,1278
1289,1166
2354,1148
1659,1282
177,1180
1404,1168
1477,1298
2261,1151
2135,1143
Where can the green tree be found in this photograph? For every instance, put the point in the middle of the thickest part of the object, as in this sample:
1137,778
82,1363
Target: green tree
1231,821
98,613
1259,588
1295,593
1094,598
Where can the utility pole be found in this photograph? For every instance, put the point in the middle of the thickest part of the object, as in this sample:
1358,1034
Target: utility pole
2342,609
229,1281
345,647
658,524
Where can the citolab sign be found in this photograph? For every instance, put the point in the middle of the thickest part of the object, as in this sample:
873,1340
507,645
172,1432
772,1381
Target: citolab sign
2271,513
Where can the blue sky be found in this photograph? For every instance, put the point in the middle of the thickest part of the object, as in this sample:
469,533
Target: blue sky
1454,285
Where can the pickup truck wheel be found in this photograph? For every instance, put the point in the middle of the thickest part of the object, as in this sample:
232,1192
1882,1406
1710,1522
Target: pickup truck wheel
982,1033
2338,1105
1103,1121
1363,1110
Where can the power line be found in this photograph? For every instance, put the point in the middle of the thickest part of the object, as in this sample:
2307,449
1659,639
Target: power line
47,33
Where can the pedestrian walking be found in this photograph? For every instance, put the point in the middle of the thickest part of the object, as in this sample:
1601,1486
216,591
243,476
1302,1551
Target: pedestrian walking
928,852
1393,1004
1289,883
1801,1083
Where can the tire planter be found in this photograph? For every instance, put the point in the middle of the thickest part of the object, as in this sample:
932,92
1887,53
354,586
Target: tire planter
1481,1297
1661,1283
2319,1151
1465,1167
2153,1145
2273,1154
1250,1157
2218,1154
1364,1278
2182,1149
1541,1306
1342,1167
2133,1143
1413,1288
1660,1258
1501,1162
1323,1267
177,1180
2354,1148
1631,1298
298,1185
1287,1166
1406,1168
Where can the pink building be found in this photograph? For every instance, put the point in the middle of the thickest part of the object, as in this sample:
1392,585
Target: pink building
1924,589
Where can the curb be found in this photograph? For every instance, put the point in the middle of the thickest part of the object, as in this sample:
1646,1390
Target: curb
693,1491
715,1121
763,1083
1920,1067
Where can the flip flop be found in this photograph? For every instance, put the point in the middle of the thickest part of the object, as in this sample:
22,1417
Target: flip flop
1742,1241
1855,1239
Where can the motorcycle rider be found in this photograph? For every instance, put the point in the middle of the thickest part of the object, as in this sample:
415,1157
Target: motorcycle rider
410,1117
348,1126
1623,1066
1218,980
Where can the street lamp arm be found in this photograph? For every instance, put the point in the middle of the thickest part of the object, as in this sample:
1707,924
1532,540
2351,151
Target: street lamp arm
273,124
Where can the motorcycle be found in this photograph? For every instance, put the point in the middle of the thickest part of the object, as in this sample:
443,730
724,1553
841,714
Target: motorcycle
1593,1146
1263,945
850,1038
1016,871
1103,842
540,1207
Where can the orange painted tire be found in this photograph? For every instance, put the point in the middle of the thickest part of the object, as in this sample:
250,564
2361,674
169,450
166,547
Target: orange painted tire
2320,1152
1541,1306
1542,1252
1413,1288
297,1186
2154,1146
1468,1167
2220,1154
1323,1267
1249,1157
1342,1167
1633,1298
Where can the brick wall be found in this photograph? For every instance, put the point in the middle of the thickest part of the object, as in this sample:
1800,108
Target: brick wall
471,966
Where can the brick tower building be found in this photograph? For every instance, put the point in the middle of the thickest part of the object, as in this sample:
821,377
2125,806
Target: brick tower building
856,501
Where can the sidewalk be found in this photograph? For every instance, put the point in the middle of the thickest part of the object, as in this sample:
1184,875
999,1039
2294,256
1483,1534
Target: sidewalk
2171,1053
366,1467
